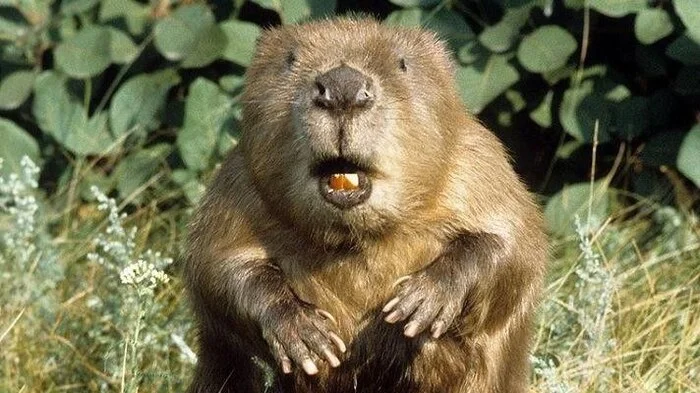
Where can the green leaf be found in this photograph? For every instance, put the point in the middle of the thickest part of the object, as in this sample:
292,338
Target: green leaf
558,75
207,113
508,4
15,89
618,8
209,48
580,108
53,107
574,200
60,115
13,27
482,82
299,10
651,25
499,37
415,3
121,48
688,81
16,143
685,50
92,136
292,11
546,49
618,93
662,149
138,101
36,12
542,115
86,54
409,17
135,15
241,41
502,35
65,29
689,155
449,25
569,148
631,118
516,100
190,35
471,52
275,5
72,7
574,4
134,170
189,183
689,12
231,83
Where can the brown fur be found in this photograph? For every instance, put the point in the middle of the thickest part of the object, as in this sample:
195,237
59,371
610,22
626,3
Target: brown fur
446,208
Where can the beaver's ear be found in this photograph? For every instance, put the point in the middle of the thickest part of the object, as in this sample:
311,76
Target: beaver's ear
441,50
291,57
272,43
402,64
267,34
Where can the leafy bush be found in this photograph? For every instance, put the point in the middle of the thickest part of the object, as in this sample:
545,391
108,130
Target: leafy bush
119,90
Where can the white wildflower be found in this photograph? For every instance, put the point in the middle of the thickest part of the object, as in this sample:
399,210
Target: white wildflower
143,276
116,250
18,203
547,370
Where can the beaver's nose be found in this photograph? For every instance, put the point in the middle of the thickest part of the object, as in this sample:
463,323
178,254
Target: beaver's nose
343,87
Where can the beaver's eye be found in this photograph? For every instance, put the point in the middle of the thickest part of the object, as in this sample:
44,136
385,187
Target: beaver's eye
402,64
291,58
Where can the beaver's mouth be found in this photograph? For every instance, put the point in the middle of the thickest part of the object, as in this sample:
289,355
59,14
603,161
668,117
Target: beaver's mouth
342,182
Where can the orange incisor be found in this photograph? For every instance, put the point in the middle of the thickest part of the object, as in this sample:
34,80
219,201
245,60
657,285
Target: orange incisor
344,181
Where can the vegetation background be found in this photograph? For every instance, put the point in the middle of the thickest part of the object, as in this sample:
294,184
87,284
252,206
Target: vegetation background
123,108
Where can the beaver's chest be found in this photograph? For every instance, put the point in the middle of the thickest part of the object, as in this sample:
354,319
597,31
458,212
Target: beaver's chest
354,286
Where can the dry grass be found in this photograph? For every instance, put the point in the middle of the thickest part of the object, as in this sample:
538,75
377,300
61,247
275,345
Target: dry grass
649,337
621,314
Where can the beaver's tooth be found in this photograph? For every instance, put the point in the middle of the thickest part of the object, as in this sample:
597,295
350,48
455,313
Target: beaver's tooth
336,181
352,181
344,181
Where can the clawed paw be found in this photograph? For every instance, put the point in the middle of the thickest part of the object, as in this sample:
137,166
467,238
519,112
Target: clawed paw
424,304
303,336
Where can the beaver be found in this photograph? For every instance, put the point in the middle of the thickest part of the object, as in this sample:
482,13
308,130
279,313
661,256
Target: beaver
367,234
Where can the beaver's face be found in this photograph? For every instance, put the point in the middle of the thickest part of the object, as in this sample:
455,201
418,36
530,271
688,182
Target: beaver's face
339,121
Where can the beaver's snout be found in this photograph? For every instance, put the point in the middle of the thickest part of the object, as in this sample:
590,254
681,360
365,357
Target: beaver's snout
344,88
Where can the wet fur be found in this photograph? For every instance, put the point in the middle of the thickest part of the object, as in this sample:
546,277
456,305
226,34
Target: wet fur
447,202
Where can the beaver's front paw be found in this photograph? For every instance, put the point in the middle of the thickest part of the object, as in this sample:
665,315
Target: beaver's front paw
426,299
302,335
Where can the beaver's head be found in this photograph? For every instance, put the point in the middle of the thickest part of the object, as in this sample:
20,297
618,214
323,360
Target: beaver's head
347,125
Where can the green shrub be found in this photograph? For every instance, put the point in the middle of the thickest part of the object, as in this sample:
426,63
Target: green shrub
100,89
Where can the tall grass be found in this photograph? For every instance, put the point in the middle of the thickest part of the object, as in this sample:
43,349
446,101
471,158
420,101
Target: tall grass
93,306
622,308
